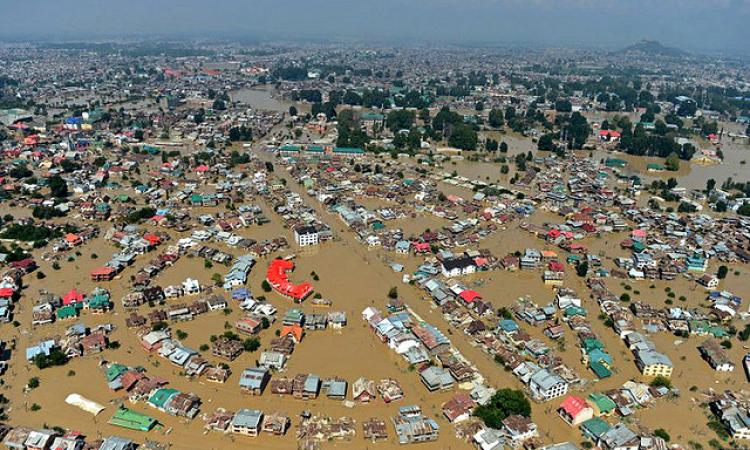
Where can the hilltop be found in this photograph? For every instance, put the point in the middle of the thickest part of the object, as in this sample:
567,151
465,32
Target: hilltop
654,48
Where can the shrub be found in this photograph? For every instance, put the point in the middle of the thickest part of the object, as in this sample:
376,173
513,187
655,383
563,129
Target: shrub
661,381
33,383
660,432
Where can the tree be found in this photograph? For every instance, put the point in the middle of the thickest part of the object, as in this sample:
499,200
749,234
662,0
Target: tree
393,293
661,381
662,433
503,147
33,383
234,134
505,402
496,118
400,119
582,268
266,286
292,110
219,105
57,186
744,210
545,143
722,273
424,115
463,137
672,162
251,344
563,106
46,212
710,185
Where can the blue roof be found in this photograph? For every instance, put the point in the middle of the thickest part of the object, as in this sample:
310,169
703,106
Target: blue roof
507,325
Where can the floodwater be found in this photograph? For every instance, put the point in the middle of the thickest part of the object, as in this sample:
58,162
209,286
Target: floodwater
259,98
353,277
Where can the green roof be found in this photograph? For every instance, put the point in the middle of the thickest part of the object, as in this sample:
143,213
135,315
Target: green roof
159,398
590,344
67,312
99,301
127,418
289,148
595,427
315,148
603,403
600,370
575,311
717,331
358,151
615,162
114,371
372,116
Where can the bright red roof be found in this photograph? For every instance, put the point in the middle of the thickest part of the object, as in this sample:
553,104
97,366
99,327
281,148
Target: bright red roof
573,405
469,295
277,276
103,270
73,296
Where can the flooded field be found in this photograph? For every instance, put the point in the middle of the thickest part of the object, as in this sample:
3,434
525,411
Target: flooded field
259,98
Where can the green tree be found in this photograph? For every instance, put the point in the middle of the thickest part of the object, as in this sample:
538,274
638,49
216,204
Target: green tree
545,143
251,344
582,268
463,137
400,119
672,162
57,186
266,286
496,118
662,433
661,381
722,273
505,402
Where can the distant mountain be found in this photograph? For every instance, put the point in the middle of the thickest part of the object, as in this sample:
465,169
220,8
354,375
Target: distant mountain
654,48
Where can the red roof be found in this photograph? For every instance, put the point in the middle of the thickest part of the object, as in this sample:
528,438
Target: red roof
73,296
469,295
573,405
152,238
295,330
277,276
103,270
6,292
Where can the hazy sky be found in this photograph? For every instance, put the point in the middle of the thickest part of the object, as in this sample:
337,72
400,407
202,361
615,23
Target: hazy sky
699,25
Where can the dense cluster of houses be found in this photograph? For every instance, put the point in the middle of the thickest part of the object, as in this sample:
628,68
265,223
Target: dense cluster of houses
43,438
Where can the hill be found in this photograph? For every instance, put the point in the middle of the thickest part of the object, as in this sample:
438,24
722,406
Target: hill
654,48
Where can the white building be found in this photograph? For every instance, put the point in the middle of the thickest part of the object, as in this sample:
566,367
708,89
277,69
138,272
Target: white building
545,385
306,235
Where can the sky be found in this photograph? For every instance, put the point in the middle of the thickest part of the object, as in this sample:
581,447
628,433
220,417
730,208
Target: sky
703,26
